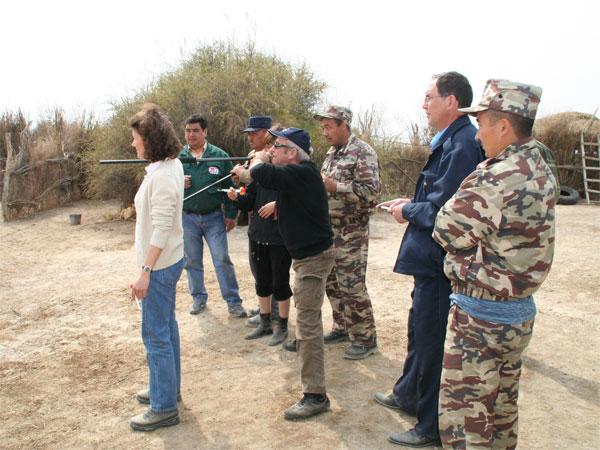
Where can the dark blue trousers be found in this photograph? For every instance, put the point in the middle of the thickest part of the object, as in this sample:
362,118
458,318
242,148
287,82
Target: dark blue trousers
417,390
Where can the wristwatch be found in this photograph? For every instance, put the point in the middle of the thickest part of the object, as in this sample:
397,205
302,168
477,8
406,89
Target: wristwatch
147,269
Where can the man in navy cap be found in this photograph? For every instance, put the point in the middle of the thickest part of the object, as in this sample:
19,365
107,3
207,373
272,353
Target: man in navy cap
303,218
257,130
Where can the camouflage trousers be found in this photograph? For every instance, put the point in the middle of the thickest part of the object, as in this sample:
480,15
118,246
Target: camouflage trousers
346,285
480,382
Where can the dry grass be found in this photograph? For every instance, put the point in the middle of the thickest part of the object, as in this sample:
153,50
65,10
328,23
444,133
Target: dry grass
561,133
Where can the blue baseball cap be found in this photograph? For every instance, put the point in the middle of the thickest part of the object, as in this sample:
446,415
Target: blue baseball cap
258,123
299,137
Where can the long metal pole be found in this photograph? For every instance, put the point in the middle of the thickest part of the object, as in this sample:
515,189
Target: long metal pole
183,160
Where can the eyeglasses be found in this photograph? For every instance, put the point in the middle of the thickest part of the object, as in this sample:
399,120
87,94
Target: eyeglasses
277,145
428,98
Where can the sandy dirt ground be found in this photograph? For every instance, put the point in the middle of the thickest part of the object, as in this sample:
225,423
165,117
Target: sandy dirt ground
72,359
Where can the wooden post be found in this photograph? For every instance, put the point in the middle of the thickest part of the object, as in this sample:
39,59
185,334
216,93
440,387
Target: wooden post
7,172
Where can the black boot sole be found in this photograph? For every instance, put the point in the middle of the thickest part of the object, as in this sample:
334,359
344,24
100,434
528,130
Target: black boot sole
170,421
258,335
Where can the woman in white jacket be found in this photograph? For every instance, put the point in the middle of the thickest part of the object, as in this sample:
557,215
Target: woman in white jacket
159,245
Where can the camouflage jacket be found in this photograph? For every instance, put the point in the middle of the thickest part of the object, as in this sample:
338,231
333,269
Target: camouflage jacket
498,229
356,169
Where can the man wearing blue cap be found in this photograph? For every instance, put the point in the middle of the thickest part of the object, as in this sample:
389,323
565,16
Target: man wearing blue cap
257,129
303,218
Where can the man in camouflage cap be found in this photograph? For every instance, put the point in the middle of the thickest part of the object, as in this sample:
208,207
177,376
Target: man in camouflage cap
351,174
498,230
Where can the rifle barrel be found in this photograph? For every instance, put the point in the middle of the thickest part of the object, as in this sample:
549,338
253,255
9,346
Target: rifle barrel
183,160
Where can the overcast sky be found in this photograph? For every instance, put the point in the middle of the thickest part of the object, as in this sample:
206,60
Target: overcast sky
81,55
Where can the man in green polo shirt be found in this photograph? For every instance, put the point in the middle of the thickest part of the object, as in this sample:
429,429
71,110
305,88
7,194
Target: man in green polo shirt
203,219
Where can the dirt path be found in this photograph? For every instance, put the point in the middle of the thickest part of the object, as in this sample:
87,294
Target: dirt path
71,355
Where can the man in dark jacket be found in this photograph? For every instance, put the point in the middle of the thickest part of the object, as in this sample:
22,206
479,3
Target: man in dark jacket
454,155
303,218
257,133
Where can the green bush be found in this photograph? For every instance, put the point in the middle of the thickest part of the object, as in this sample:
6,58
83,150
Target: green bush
225,83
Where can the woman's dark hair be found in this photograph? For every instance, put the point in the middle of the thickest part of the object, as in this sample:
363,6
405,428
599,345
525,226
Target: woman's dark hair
157,133
269,138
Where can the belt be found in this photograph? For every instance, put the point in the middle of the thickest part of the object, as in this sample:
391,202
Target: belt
348,220
189,211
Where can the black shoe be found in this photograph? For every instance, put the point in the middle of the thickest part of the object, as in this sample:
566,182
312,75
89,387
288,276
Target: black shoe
389,402
143,396
412,439
254,311
386,400
280,335
307,407
336,336
151,420
290,346
360,352
263,329
197,308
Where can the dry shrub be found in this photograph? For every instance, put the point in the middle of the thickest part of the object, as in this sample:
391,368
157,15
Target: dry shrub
44,172
400,169
401,160
561,133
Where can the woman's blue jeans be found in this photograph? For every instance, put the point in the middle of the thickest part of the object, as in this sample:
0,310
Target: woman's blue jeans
160,334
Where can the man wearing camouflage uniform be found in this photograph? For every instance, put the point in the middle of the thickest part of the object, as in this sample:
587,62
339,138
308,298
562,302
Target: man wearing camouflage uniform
498,230
351,173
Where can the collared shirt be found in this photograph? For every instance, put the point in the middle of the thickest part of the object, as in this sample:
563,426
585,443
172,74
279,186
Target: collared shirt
436,138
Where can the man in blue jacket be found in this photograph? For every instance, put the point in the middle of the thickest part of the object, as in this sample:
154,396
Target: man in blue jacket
454,155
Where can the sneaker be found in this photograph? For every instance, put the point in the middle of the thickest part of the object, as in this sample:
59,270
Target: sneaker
238,311
253,321
143,396
360,352
197,307
290,346
262,330
151,420
307,407
254,311
279,336
336,336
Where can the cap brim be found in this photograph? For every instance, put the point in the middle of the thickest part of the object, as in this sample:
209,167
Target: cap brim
277,133
251,129
473,110
326,116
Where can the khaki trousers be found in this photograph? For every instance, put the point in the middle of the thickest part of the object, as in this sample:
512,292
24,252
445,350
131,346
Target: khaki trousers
309,290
